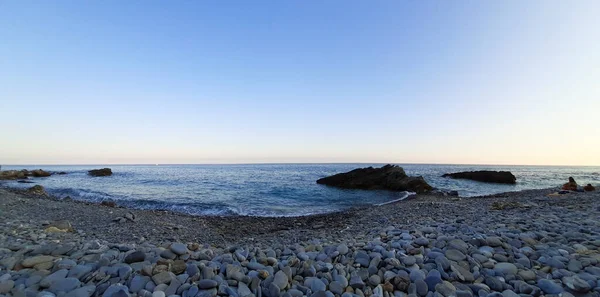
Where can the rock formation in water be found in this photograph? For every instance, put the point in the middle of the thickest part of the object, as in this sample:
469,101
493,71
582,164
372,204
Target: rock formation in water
571,185
589,188
487,176
100,172
22,174
388,177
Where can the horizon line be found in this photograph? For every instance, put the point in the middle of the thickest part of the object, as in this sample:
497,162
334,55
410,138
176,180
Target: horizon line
298,163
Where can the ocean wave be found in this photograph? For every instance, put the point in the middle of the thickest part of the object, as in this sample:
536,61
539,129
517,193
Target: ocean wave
193,208
404,196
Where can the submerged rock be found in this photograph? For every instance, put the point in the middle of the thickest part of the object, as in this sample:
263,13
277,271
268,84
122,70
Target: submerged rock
500,177
388,177
100,172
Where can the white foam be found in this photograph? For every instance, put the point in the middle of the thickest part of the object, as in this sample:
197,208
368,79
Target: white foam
406,194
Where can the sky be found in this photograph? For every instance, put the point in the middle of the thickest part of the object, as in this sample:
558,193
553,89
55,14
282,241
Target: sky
460,82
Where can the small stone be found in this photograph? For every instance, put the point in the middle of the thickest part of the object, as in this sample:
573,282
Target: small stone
318,285
494,241
356,282
280,279
206,284
54,277
506,268
32,261
86,291
549,287
6,286
116,290
178,267
179,248
158,294
576,284
422,287
135,257
164,277
374,280
432,280
342,249
446,289
527,275
138,282
336,287
494,283
64,285
455,255
409,261
462,273
509,293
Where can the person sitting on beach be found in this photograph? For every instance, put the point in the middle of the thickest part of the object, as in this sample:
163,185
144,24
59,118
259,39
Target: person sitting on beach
571,185
589,188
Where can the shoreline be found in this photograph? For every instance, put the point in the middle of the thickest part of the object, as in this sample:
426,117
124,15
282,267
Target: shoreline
91,217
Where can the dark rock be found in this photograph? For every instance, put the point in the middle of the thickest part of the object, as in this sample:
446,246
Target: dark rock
401,283
13,174
37,190
137,256
39,173
108,203
571,185
24,181
388,177
100,172
589,188
501,177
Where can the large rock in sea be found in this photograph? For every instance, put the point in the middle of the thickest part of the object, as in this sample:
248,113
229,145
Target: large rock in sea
100,172
487,176
13,174
571,185
22,174
589,188
39,173
388,177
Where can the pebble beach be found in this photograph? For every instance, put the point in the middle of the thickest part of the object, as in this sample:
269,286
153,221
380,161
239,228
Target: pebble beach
512,244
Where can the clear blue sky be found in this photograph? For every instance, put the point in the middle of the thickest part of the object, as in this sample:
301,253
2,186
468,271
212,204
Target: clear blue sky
492,82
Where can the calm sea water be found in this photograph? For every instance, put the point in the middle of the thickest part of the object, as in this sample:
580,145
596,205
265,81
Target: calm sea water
269,189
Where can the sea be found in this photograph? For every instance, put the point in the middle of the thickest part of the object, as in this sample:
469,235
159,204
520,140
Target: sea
269,189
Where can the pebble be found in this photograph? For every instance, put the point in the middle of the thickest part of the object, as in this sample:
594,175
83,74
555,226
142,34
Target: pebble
32,261
64,285
549,287
6,286
207,284
179,248
116,290
455,255
506,268
280,280
86,291
137,256
422,287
